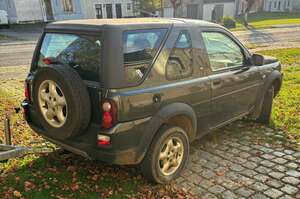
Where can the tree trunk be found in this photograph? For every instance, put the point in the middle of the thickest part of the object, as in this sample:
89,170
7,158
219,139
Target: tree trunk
246,19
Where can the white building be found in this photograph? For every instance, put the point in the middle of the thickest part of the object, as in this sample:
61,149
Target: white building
111,8
278,5
241,6
24,11
19,11
209,10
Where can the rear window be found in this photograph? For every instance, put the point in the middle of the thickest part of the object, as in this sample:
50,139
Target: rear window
83,53
140,48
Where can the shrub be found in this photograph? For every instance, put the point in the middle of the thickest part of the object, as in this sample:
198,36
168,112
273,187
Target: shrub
229,22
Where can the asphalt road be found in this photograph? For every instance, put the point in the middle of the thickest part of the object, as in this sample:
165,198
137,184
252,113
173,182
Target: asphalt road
16,54
270,36
20,52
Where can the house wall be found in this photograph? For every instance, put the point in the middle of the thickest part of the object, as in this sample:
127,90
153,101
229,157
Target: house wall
278,5
242,4
125,12
60,14
168,12
229,10
87,8
296,5
10,8
28,10
204,7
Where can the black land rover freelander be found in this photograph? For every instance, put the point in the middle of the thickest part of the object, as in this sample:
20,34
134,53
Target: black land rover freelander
138,91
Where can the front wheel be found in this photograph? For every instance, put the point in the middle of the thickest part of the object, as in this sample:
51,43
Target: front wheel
266,110
167,155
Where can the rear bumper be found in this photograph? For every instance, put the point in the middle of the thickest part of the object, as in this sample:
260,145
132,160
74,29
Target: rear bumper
125,147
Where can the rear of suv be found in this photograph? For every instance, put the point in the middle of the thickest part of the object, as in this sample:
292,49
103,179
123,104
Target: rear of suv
138,91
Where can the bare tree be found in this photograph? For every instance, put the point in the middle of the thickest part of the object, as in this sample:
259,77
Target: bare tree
176,4
249,5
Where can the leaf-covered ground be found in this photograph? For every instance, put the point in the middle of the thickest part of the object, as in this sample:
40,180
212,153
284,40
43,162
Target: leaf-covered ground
57,175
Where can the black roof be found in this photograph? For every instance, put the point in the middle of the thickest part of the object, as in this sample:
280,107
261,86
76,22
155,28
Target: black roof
124,23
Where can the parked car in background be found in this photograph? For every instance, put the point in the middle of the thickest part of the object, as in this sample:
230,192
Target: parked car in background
139,91
3,18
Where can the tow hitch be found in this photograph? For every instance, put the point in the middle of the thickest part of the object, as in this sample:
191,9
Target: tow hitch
8,150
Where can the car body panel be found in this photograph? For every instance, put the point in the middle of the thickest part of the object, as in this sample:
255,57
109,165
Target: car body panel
209,99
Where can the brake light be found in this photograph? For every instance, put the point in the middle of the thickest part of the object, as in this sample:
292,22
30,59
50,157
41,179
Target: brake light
47,61
27,91
109,114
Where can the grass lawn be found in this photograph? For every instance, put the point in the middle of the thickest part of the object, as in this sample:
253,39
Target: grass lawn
286,109
268,19
5,37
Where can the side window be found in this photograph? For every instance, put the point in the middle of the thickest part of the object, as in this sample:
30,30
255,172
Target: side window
140,48
222,51
180,63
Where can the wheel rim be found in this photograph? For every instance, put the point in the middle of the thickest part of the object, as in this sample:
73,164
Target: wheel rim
52,103
171,156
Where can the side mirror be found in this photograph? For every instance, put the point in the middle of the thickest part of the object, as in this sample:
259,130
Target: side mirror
258,60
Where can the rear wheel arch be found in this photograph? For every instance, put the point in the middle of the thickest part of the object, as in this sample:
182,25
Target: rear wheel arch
184,122
177,114
181,115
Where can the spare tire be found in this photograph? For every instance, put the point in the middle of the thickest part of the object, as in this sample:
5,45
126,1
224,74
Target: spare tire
61,101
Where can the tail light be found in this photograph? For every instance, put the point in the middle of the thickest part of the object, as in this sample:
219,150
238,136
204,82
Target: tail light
109,114
47,61
27,91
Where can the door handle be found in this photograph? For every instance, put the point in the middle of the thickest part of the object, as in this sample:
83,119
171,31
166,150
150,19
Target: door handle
244,69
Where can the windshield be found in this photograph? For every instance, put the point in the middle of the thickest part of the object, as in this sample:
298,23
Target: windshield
83,53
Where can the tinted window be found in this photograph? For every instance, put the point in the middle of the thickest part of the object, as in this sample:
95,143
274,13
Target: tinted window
140,48
83,53
222,51
180,62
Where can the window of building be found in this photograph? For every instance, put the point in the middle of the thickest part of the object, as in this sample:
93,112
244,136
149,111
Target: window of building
128,6
180,63
99,13
68,5
140,48
275,4
279,5
222,51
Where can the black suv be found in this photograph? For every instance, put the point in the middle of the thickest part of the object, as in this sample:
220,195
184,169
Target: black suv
138,91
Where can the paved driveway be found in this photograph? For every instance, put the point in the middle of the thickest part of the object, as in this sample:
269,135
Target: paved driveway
243,160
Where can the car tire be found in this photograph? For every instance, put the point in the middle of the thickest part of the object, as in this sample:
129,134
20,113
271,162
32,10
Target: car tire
76,109
266,110
152,166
